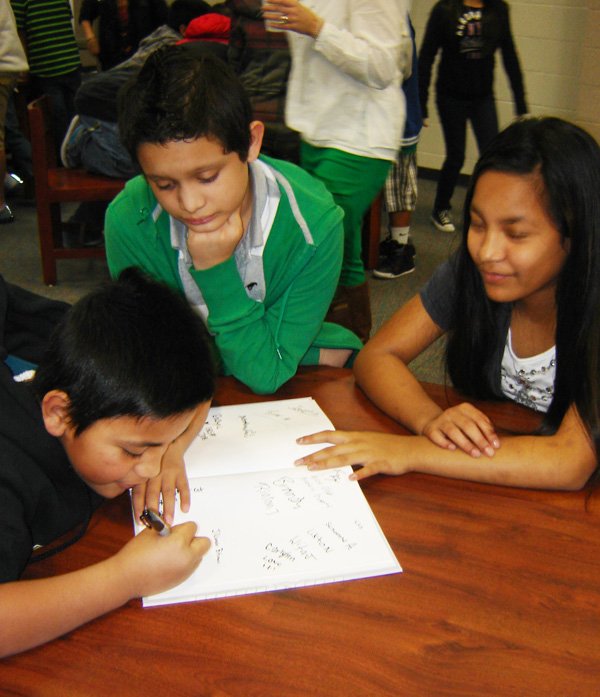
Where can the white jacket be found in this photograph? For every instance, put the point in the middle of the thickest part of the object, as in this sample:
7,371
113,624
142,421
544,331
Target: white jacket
12,56
344,89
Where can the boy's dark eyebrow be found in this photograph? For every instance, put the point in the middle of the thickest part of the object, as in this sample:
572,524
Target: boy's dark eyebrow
141,444
198,170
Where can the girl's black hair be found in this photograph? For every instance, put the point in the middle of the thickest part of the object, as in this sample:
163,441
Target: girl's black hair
567,160
133,347
182,95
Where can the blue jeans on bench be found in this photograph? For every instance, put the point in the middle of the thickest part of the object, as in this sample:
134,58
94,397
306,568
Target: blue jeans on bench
94,145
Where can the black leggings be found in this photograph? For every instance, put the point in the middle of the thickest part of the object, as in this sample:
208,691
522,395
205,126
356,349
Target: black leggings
454,114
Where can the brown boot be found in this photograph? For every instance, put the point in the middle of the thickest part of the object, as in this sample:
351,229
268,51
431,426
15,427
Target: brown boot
360,310
339,310
351,308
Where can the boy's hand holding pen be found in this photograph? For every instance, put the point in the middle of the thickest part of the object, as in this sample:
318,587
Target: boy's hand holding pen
153,520
152,563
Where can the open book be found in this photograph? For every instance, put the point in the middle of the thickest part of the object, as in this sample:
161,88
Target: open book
273,525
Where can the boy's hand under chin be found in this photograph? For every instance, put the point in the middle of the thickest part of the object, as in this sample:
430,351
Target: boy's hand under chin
208,249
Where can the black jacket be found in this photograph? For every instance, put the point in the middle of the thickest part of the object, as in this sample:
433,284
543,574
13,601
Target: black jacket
144,17
41,497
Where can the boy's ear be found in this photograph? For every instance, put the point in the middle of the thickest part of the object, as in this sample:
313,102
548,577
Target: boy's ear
257,132
55,412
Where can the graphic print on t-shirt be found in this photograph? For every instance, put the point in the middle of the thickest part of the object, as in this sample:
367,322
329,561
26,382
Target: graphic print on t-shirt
470,35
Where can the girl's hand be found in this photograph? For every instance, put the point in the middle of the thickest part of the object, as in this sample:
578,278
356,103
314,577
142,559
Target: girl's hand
464,427
151,563
378,453
208,249
299,18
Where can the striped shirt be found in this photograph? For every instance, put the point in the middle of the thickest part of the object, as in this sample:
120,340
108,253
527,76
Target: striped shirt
51,45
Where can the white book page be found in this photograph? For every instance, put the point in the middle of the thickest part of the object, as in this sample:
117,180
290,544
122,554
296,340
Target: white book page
273,525
255,437
280,529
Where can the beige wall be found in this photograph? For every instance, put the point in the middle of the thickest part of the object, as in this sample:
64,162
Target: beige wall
558,42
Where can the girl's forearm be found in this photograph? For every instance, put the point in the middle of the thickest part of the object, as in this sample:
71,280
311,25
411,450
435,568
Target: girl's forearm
535,462
389,383
563,461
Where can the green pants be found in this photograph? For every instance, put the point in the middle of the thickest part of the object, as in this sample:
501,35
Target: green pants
353,181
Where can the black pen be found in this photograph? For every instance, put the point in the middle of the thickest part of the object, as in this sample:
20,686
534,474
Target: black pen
154,521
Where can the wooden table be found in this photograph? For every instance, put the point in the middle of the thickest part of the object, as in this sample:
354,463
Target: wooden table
500,595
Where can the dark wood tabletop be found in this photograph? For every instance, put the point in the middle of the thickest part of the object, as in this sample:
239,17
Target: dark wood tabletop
500,595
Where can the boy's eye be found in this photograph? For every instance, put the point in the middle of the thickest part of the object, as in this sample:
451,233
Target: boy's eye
208,180
131,453
164,186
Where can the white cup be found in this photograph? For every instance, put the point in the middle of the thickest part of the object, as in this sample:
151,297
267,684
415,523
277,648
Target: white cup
270,25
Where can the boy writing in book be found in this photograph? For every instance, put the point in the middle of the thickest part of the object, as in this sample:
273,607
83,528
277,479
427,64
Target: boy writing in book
123,388
255,245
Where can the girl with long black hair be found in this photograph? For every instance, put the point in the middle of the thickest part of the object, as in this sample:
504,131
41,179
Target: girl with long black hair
520,302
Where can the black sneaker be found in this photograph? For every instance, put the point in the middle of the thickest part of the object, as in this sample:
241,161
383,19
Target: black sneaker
443,221
390,246
398,262
6,215
13,184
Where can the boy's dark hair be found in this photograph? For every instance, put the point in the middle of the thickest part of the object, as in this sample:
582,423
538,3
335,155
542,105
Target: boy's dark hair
133,347
179,95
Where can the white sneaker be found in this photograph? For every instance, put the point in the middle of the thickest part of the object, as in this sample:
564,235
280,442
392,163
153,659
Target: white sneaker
70,136
443,221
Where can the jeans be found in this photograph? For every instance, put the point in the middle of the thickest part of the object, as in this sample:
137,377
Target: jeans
61,90
16,143
454,114
96,147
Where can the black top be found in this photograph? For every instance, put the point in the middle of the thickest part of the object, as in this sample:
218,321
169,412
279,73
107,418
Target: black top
144,16
438,296
468,40
41,497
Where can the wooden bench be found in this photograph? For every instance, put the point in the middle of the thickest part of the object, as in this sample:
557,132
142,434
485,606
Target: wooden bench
55,185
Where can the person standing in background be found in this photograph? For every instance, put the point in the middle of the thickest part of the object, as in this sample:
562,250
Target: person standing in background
46,31
468,34
344,98
12,63
397,252
122,24
19,179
